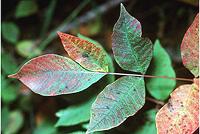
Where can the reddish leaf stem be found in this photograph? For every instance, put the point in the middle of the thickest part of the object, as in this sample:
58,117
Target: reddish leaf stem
155,101
143,75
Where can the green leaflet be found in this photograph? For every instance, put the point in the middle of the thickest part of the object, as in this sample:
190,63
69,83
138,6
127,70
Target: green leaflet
161,66
75,114
10,32
9,92
118,101
26,8
51,75
14,122
8,65
110,78
131,51
45,127
27,48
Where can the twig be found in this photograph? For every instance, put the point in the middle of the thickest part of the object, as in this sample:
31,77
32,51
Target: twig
48,17
64,27
142,75
70,18
155,101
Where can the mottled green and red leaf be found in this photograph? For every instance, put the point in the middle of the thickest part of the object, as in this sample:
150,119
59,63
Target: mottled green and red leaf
190,47
51,75
118,101
131,51
181,114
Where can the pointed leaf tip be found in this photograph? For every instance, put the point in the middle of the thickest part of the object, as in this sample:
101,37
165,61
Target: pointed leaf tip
59,33
121,6
51,75
16,76
131,51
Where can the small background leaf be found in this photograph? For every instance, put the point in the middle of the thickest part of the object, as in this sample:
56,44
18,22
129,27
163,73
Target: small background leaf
75,114
119,100
9,93
26,8
10,32
190,48
161,66
181,114
45,127
27,48
8,65
14,123
91,28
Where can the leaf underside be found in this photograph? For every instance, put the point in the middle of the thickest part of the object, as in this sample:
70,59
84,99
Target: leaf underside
51,75
190,47
87,54
161,66
131,51
118,101
181,114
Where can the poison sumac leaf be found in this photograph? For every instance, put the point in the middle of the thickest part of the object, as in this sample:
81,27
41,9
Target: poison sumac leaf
87,54
131,51
118,101
190,47
161,66
52,74
181,114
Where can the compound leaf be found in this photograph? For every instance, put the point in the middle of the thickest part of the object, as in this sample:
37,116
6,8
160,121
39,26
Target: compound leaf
131,51
87,54
118,101
181,114
51,75
71,115
190,48
161,66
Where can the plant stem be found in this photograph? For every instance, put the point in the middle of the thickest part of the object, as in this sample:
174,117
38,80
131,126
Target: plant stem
143,75
155,101
48,17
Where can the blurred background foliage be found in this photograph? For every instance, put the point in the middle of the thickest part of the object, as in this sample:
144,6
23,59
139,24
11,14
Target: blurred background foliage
28,29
